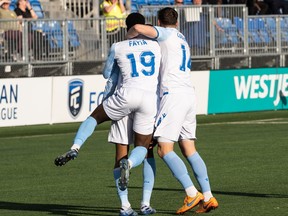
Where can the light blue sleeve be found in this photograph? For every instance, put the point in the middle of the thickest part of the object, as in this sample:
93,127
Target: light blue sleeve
109,64
162,33
111,82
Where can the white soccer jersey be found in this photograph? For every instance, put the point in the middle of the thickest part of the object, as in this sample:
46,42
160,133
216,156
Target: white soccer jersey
176,118
176,62
138,63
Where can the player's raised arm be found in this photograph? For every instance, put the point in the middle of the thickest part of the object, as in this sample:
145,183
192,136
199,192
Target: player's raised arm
146,30
109,64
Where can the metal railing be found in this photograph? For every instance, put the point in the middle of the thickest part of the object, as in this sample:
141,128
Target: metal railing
213,33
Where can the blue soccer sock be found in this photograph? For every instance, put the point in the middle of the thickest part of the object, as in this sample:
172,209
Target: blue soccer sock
200,171
149,171
179,170
123,195
85,130
137,156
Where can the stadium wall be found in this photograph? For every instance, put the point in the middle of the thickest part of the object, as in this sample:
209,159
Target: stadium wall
48,100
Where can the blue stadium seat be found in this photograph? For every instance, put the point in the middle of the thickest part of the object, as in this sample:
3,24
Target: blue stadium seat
271,23
72,36
12,6
57,39
263,30
238,22
230,29
251,25
165,2
232,35
38,25
53,32
221,39
134,8
283,23
225,23
187,2
154,2
271,27
142,2
284,30
73,39
38,9
253,36
265,36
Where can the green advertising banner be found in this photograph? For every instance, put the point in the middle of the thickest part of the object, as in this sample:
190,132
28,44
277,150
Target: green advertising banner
248,90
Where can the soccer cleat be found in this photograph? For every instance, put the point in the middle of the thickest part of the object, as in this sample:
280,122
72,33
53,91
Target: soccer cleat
190,202
147,210
128,212
63,159
124,174
207,206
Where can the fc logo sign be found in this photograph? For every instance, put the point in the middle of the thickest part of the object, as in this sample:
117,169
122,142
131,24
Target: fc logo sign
75,89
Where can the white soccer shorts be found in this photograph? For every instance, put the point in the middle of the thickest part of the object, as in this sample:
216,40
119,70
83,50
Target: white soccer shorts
176,118
121,131
143,105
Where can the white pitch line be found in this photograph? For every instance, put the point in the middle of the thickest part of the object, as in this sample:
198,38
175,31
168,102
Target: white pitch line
45,135
261,121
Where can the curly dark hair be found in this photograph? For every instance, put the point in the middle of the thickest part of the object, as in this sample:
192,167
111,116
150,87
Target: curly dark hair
133,19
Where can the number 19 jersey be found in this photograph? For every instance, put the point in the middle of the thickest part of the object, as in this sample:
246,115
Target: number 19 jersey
139,63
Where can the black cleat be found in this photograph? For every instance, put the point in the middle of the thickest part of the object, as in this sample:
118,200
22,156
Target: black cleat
63,159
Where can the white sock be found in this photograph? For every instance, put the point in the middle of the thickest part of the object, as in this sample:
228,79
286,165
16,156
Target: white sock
191,191
75,147
207,196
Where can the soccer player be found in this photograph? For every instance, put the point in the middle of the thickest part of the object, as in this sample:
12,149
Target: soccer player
138,60
176,119
121,134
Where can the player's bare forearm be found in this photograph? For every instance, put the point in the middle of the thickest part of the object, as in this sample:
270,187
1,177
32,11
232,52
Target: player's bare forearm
145,30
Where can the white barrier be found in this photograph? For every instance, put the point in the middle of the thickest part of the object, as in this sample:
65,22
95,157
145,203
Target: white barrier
48,100
75,97
200,80
25,101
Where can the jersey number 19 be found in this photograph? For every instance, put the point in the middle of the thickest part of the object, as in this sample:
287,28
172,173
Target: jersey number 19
147,59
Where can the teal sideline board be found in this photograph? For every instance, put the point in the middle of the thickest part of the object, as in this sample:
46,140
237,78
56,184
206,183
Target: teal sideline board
248,90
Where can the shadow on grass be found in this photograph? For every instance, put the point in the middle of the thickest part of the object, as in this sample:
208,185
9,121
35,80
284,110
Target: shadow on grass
251,194
232,193
58,209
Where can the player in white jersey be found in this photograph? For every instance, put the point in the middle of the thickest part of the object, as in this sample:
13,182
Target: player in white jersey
138,60
176,119
121,134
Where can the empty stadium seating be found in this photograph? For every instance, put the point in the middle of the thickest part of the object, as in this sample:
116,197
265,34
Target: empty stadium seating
230,34
54,32
137,4
73,37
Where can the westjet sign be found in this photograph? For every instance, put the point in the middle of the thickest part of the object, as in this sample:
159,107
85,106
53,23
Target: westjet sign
257,86
248,90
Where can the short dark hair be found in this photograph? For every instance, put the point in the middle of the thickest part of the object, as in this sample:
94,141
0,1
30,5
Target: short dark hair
133,19
167,16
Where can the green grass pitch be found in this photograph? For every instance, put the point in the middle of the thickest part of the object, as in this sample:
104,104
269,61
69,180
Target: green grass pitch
246,155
